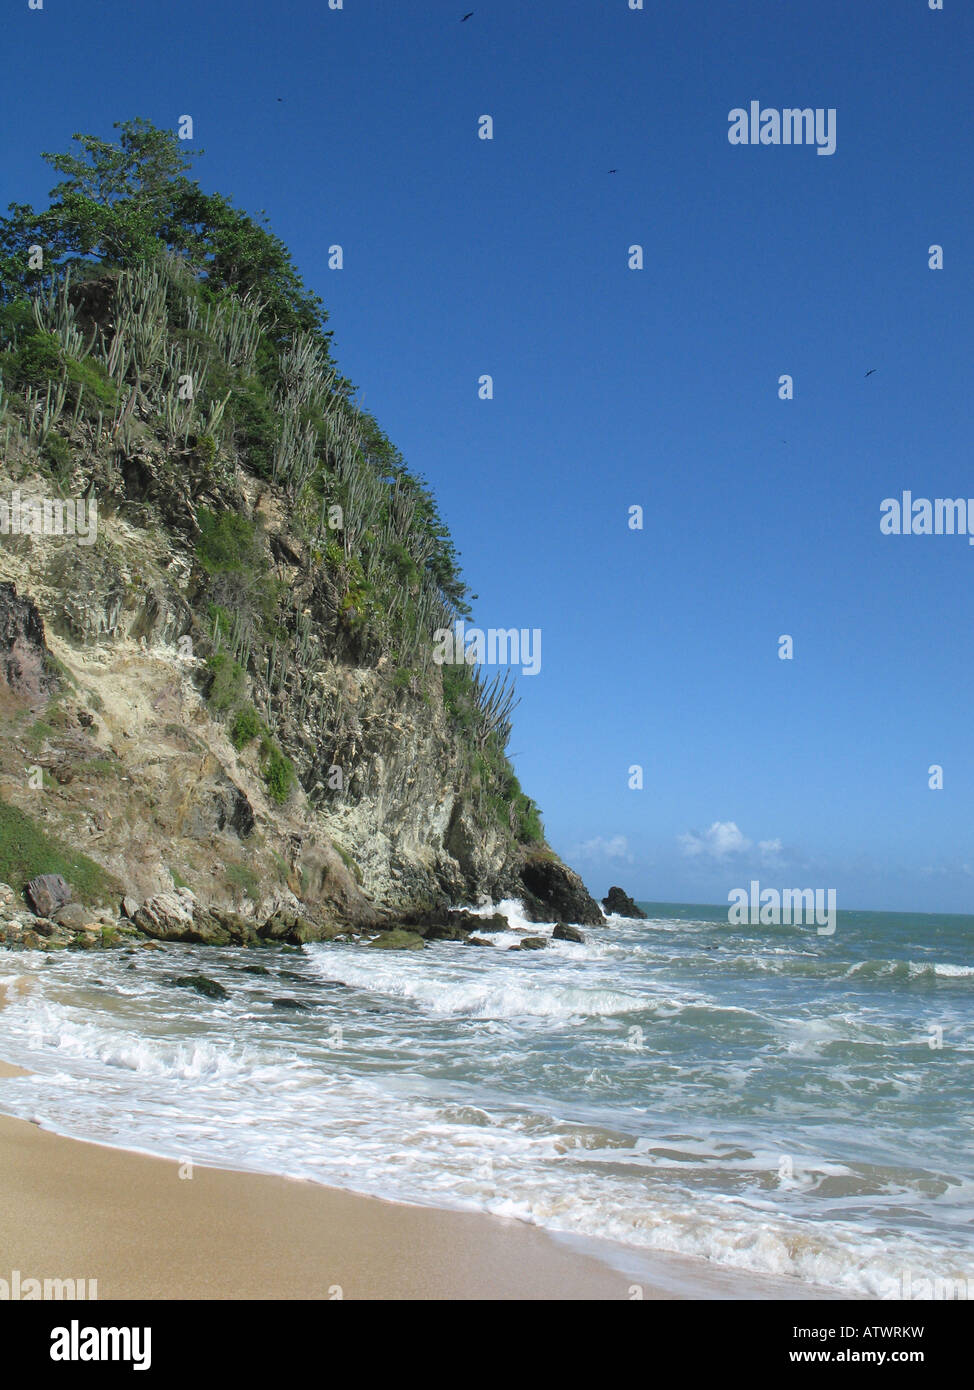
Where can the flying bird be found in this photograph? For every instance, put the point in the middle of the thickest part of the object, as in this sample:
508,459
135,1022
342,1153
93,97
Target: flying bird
871,370
613,171
468,16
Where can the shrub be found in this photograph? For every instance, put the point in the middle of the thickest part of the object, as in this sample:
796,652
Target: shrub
227,682
206,449
89,377
530,828
243,878
227,542
278,772
244,727
38,358
57,452
255,423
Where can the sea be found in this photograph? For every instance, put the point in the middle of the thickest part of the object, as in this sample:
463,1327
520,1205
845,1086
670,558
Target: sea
765,1098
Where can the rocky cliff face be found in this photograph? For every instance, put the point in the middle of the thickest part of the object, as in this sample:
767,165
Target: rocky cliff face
103,697
222,680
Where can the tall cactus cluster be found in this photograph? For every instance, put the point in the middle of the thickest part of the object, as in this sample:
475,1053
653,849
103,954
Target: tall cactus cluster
107,365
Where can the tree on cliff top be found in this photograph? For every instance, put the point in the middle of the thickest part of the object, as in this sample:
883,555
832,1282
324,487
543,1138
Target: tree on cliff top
121,204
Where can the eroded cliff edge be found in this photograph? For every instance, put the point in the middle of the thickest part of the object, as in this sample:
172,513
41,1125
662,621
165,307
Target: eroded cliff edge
226,685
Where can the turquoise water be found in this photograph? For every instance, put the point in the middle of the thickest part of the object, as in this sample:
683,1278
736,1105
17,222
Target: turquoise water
766,1098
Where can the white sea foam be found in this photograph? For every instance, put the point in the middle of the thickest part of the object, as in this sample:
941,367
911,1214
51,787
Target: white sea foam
628,1088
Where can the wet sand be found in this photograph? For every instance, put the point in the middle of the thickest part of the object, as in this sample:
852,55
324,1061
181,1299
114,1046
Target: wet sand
130,1221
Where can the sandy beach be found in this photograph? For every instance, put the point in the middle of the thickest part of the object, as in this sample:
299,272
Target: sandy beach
85,1211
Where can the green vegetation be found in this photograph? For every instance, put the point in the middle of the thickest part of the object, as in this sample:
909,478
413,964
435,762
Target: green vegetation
278,772
147,282
228,682
244,727
26,851
348,861
243,878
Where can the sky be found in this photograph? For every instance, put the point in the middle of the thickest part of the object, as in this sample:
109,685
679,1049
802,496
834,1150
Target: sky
615,387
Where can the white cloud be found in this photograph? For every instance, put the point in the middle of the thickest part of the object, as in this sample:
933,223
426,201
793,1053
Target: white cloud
770,847
616,848
723,838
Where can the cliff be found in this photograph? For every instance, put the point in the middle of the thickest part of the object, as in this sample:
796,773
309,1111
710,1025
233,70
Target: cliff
216,665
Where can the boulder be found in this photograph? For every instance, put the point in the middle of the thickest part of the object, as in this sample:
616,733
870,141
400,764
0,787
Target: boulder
47,893
175,916
294,928
495,922
398,940
73,915
130,907
553,892
620,903
533,943
202,985
565,932
165,917
447,931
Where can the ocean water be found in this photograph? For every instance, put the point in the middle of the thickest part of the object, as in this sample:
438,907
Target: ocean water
765,1098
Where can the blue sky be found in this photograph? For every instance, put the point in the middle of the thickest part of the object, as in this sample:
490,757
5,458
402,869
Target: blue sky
616,387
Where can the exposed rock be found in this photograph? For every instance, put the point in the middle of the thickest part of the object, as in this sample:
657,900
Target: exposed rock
202,985
495,922
156,784
176,916
447,931
398,940
166,917
73,915
438,924
621,904
565,932
40,935
555,892
290,1004
533,943
26,666
47,893
478,941
295,929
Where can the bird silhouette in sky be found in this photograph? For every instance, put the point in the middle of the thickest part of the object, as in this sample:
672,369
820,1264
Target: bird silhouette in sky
613,171
871,370
467,16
